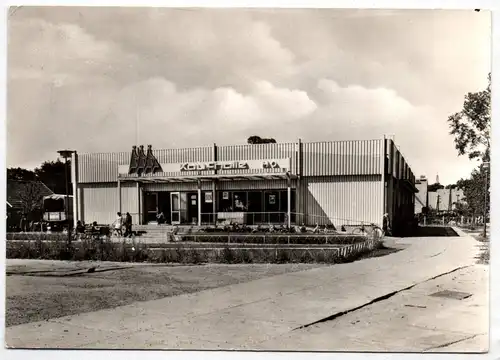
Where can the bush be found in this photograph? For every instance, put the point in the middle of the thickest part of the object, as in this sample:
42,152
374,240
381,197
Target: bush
275,239
106,250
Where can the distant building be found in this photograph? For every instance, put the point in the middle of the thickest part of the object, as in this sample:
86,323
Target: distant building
440,200
17,190
421,198
445,199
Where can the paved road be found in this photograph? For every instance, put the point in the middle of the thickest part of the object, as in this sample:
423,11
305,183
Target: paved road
409,320
255,315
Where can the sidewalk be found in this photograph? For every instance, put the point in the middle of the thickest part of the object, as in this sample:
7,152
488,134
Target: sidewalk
410,320
250,315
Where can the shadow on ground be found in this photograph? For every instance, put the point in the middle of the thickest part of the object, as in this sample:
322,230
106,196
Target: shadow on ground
431,231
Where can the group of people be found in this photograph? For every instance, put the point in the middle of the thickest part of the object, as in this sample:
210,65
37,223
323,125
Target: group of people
123,223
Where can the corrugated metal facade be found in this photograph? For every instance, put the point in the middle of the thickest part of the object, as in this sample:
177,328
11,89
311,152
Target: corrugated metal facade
342,158
100,168
253,185
99,202
338,181
400,188
177,186
343,200
319,159
258,152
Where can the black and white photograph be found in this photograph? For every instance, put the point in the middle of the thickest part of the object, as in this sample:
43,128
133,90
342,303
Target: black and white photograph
248,179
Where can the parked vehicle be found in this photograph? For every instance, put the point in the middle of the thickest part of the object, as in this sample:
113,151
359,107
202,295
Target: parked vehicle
58,212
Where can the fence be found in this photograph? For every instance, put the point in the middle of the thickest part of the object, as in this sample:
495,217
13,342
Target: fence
273,218
452,220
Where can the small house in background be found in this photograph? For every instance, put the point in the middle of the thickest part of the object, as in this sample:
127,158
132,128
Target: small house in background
422,197
24,197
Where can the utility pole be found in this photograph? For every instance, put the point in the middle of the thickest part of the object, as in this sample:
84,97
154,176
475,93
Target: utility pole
486,166
66,154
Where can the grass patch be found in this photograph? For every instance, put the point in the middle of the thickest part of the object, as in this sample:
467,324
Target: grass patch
37,298
484,249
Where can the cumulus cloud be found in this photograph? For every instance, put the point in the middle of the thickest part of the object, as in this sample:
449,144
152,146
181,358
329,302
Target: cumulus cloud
78,78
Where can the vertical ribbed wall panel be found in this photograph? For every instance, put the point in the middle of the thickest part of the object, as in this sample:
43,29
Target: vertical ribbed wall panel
103,167
319,159
100,202
172,156
257,152
344,200
177,186
342,158
254,185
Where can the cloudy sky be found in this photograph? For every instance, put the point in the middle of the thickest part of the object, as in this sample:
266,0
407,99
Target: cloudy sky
104,79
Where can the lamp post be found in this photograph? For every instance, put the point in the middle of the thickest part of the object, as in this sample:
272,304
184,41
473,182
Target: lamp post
486,166
66,154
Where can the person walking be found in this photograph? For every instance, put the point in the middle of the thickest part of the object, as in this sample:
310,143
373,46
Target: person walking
118,224
128,225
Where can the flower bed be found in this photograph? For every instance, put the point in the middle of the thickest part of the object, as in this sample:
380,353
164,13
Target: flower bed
38,236
179,253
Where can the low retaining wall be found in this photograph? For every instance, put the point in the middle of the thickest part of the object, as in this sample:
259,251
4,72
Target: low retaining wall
191,254
304,239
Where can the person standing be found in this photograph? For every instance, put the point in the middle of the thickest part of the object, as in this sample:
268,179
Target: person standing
24,223
128,225
386,225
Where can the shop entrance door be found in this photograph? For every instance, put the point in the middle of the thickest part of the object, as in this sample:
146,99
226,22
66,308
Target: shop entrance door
151,200
192,208
175,208
272,207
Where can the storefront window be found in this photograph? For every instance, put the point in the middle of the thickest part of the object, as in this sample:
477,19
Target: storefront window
260,206
240,201
225,203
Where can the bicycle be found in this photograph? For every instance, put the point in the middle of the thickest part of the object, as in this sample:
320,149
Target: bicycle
375,229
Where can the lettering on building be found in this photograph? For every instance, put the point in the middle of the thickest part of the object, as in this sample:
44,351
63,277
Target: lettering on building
234,165
270,165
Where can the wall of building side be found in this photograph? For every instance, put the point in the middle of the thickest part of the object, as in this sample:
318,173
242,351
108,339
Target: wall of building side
343,200
421,196
400,194
447,199
100,202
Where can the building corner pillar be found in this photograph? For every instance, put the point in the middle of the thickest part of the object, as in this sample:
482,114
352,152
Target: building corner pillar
289,200
119,196
74,183
199,202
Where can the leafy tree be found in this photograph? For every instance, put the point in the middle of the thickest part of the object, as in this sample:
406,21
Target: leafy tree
472,125
258,140
474,192
20,174
472,130
434,187
451,186
31,198
52,174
